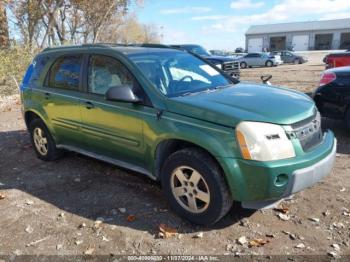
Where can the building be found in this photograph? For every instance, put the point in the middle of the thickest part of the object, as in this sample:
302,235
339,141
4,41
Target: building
299,36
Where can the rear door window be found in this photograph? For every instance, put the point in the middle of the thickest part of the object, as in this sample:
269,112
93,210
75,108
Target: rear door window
65,72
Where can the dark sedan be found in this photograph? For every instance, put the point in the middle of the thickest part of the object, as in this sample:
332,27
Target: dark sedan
332,97
227,64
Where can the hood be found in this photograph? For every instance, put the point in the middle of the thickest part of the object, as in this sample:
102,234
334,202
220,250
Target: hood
245,101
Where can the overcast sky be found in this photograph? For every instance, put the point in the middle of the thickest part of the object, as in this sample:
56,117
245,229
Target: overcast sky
221,24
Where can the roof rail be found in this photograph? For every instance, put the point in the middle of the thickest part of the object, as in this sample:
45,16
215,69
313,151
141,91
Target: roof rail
107,45
72,46
58,47
155,45
97,45
151,45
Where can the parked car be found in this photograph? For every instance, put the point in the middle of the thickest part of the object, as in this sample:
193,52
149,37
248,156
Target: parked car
332,97
259,59
290,57
227,64
217,52
239,50
337,59
176,118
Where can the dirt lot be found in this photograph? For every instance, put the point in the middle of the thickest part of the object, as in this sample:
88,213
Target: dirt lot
78,204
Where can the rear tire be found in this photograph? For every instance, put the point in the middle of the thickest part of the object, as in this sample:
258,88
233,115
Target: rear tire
269,63
243,65
297,61
195,187
42,141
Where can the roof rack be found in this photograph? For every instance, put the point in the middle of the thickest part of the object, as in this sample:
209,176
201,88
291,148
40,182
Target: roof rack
82,45
58,47
106,45
151,45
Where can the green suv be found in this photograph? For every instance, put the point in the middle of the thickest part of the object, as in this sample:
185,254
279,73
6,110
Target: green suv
209,139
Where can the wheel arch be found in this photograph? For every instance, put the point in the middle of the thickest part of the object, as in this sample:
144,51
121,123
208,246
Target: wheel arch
243,62
169,146
268,61
31,114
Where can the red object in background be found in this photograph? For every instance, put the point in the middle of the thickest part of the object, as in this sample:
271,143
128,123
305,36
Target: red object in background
338,60
327,77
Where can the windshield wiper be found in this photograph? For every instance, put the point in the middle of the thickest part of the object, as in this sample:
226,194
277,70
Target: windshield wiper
197,92
208,90
187,94
222,87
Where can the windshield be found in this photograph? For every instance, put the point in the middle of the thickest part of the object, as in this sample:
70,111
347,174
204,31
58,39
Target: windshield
198,50
176,73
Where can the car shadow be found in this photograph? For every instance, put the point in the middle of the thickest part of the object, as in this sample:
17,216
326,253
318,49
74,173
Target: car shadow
93,189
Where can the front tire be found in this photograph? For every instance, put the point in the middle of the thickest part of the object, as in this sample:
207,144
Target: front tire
297,62
243,65
269,63
42,141
195,187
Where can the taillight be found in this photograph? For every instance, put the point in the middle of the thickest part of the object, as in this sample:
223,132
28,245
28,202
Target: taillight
327,78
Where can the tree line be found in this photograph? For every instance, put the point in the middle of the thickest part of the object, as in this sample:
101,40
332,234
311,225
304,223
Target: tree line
42,23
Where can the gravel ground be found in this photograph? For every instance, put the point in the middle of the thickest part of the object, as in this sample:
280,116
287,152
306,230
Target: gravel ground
78,205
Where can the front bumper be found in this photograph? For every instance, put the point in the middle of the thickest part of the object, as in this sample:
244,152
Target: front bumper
233,72
257,184
308,176
300,180
279,62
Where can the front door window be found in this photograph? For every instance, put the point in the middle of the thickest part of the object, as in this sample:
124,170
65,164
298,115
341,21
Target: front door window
106,72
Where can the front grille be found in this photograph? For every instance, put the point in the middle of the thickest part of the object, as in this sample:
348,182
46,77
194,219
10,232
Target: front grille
229,66
309,131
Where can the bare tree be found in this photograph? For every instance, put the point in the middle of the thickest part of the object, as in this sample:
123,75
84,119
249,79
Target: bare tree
4,32
54,22
98,13
128,30
28,14
151,34
51,8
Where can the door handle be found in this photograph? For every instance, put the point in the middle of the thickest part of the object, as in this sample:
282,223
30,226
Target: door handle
47,95
89,105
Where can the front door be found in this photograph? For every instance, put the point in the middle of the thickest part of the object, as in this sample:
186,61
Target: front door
112,129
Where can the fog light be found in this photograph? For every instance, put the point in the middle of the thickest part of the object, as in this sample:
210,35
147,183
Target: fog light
281,180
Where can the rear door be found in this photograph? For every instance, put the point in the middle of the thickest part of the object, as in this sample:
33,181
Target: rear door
61,99
112,129
288,57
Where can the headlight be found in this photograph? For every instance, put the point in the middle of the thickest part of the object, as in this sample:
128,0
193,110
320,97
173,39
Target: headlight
219,66
263,141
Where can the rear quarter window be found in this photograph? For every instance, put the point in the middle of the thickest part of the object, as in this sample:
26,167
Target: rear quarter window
35,70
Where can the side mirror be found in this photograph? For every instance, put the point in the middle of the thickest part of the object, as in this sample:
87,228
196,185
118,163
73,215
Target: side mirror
265,79
122,93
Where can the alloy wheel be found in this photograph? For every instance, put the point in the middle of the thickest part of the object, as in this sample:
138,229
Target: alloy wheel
40,141
190,189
